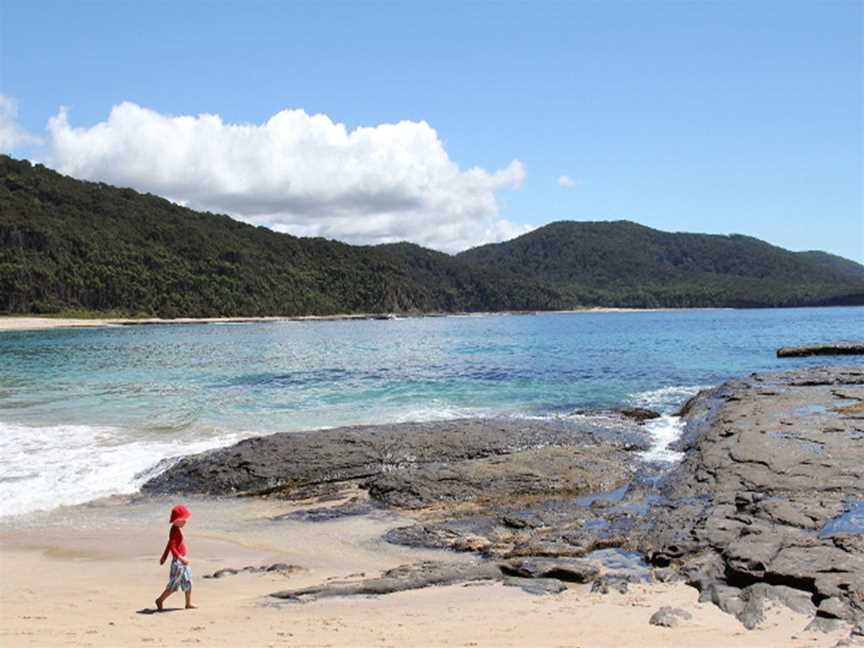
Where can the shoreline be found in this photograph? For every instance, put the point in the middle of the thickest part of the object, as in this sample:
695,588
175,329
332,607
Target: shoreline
461,497
735,519
97,573
38,323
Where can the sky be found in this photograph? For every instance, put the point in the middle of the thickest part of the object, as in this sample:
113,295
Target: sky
454,124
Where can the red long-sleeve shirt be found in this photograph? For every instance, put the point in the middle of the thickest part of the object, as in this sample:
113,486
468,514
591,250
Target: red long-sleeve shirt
175,544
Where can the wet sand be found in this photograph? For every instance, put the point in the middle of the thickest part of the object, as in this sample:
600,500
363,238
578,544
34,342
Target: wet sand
87,576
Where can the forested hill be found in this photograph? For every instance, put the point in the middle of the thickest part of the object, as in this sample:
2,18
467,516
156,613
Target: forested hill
67,245
626,264
70,245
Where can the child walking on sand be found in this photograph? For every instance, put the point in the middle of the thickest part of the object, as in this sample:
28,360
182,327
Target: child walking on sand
180,574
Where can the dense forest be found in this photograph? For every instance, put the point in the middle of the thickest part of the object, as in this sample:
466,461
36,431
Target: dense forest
625,264
68,245
73,246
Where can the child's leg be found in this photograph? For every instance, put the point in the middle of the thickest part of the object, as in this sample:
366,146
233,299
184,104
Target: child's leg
164,595
189,605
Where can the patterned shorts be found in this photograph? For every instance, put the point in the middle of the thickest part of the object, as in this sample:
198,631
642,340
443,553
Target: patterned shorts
180,577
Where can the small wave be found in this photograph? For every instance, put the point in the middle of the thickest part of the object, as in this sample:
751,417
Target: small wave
666,429
46,467
442,412
667,399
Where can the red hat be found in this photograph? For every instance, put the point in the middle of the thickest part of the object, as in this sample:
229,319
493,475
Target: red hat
179,512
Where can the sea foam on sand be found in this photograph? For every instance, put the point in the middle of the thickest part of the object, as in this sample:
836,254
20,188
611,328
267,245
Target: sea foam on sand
50,466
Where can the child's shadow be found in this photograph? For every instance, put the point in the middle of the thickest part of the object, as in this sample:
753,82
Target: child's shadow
155,611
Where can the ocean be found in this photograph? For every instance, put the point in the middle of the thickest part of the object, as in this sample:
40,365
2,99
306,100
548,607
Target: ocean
87,413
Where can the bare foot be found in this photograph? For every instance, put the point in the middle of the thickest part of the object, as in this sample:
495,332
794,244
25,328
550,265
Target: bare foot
191,607
158,604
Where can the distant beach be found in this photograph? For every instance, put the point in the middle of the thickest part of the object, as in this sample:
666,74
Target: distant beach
32,323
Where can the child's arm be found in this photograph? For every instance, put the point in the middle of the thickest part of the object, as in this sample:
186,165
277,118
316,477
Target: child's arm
166,552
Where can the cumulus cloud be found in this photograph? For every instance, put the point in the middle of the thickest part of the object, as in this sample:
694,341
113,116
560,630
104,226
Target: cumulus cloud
297,173
11,134
566,181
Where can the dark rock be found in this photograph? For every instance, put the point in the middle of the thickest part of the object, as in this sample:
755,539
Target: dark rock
221,573
438,536
399,579
669,617
534,546
666,575
288,462
838,348
282,568
826,625
543,472
521,522
797,600
611,583
639,413
727,598
537,586
834,608
328,513
571,571
749,506
757,596
689,405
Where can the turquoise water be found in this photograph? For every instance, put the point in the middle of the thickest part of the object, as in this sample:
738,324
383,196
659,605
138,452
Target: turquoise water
86,412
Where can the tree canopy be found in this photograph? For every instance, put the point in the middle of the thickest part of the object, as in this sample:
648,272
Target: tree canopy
68,245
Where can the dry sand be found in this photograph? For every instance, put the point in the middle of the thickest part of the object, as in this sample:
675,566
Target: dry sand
87,576
13,323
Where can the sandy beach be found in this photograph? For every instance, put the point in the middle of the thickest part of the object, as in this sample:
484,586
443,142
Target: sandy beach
27,323
13,323
87,576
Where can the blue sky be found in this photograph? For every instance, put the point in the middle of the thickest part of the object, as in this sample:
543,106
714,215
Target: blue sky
717,117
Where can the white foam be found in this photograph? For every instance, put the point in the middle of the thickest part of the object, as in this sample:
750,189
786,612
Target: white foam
667,398
435,412
666,429
46,467
42,468
663,431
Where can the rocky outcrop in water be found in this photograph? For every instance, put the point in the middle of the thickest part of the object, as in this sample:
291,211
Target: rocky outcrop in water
766,507
756,509
540,472
762,509
415,464
837,348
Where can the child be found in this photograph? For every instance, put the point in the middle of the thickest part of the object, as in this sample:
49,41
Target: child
181,574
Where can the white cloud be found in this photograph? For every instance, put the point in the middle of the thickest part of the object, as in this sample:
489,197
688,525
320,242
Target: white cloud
566,181
296,173
11,134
